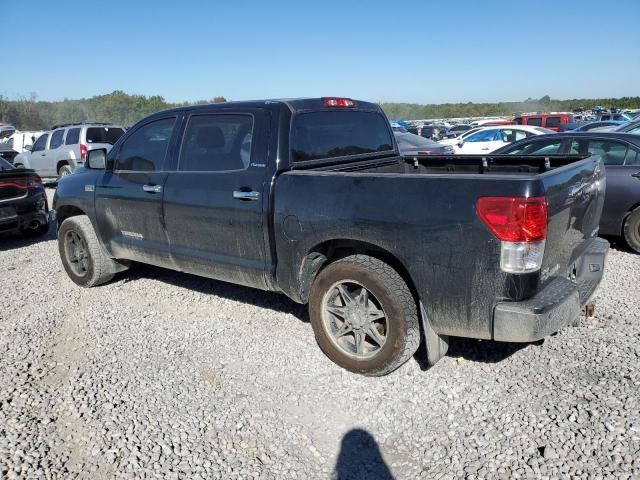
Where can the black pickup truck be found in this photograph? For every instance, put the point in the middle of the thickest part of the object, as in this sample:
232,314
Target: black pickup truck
311,198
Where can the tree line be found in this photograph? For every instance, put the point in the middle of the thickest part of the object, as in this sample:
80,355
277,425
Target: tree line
123,109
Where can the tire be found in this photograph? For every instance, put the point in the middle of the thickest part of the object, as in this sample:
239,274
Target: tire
64,171
387,294
43,229
94,267
631,230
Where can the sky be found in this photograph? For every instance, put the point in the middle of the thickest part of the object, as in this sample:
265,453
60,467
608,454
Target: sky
384,51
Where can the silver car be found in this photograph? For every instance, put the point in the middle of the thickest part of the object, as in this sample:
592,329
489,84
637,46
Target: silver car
60,151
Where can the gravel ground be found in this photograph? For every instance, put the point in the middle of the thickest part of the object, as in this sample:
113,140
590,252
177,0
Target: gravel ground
162,374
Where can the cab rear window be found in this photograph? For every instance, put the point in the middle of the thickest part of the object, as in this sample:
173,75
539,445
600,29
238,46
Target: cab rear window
104,134
329,134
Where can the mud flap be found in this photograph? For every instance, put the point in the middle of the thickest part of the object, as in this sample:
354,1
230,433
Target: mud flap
436,345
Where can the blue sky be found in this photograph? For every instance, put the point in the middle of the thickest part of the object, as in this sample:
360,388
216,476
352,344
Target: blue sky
413,51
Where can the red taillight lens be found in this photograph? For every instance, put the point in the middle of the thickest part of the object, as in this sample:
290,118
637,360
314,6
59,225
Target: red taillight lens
514,219
22,183
338,102
83,152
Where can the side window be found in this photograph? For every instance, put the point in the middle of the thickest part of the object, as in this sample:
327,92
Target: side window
216,143
534,121
552,122
633,157
145,149
484,136
73,136
612,153
540,147
41,142
56,139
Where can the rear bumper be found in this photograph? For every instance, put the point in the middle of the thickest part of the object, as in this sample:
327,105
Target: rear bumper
557,305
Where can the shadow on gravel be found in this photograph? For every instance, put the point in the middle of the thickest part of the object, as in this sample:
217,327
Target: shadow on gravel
12,241
618,243
485,351
360,458
230,291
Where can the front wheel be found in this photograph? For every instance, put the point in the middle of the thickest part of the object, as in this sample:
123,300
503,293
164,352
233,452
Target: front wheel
364,316
82,256
631,230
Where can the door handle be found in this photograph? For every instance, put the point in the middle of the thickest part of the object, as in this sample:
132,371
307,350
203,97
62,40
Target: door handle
486,148
152,188
637,175
247,196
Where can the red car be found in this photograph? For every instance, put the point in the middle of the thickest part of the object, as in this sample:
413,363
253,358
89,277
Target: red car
552,121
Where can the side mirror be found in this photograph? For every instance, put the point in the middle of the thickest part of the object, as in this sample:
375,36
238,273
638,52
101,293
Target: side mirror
96,159
460,143
28,147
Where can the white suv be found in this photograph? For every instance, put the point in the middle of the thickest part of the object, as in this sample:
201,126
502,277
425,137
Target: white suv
58,152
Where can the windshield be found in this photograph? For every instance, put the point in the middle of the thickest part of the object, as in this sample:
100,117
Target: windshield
104,134
328,134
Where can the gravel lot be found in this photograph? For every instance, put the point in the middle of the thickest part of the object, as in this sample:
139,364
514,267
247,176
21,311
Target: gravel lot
162,374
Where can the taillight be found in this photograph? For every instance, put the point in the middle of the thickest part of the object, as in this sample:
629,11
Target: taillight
22,183
338,102
520,223
83,152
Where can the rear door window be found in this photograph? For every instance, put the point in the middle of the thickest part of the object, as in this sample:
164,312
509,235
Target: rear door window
535,121
329,134
633,157
73,136
612,153
216,143
103,134
539,147
56,139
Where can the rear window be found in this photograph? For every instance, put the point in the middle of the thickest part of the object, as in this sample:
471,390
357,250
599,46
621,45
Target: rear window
329,134
104,134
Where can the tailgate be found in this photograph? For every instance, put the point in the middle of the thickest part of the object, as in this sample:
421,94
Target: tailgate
575,196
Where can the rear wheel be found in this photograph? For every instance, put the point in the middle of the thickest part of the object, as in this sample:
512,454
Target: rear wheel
64,171
631,230
364,316
82,256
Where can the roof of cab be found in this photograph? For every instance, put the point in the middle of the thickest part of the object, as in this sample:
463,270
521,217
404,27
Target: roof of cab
293,104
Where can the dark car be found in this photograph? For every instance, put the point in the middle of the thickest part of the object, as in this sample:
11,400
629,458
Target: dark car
621,155
456,130
23,201
312,198
630,127
585,127
415,145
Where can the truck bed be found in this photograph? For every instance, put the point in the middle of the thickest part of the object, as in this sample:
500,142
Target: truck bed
422,211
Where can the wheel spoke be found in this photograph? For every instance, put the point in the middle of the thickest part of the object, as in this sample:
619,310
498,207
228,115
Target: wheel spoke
375,314
359,337
346,296
337,311
374,334
363,298
342,331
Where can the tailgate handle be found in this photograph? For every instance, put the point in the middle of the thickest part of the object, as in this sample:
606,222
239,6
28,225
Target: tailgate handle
152,188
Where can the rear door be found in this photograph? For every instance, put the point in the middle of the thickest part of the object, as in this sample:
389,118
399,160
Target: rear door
623,189
214,200
129,194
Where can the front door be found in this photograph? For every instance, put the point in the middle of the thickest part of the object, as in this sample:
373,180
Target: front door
38,157
214,200
129,194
